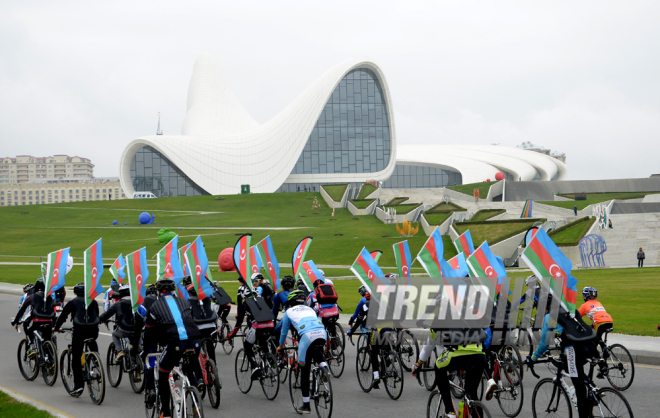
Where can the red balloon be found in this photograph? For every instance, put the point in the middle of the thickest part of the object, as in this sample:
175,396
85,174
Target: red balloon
499,176
226,260
487,180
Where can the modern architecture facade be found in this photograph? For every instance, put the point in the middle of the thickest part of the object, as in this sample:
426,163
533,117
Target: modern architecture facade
23,168
340,129
45,191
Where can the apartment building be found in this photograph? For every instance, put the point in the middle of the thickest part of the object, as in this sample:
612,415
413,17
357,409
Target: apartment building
45,191
23,168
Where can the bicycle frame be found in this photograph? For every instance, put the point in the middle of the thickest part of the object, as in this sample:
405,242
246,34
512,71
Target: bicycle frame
175,391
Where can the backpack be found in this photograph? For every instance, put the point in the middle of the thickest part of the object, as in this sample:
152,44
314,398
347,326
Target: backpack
326,294
577,334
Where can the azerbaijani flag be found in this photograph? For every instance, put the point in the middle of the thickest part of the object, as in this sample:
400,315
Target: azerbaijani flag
366,269
527,209
56,270
199,263
138,273
182,260
44,269
242,256
299,254
93,262
267,255
169,266
376,255
464,244
459,265
255,260
483,263
431,256
403,258
309,273
117,269
546,260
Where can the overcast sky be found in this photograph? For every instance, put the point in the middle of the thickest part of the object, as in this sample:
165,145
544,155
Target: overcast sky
85,78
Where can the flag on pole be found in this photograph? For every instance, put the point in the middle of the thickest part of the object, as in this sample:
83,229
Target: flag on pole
459,265
56,270
170,267
267,255
255,260
117,269
464,244
93,262
44,269
199,263
545,259
309,273
483,263
138,273
366,269
403,258
376,255
431,256
182,260
299,254
242,257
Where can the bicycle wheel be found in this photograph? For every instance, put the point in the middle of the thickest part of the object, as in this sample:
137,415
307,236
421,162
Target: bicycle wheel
362,341
136,375
511,354
393,375
620,367
429,377
214,384
193,403
408,349
49,367
114,368
478,410
363,369
550,400
154,411
227,343
27,365
458,377
295,387
435,407
340,337
66,370
270,381
336,364
242,371
509,393
611,403
96,382
323,399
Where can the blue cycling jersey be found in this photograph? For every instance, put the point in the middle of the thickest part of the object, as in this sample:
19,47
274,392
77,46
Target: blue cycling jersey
359,308
543,347
280,299
303,319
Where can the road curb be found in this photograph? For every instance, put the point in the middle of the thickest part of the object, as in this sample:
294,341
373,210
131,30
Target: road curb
35,403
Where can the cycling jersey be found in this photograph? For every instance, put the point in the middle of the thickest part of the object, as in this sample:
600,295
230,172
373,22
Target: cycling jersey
596,312
303,319
280,299
362,302
543,346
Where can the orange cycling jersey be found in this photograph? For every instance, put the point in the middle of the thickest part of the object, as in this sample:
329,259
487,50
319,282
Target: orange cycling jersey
595,311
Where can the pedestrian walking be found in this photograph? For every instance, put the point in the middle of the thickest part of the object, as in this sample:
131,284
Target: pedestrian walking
575,210
640,257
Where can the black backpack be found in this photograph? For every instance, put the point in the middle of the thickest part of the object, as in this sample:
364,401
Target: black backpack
267,293
577,333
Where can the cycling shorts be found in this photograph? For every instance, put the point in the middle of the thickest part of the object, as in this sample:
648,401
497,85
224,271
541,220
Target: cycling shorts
305,341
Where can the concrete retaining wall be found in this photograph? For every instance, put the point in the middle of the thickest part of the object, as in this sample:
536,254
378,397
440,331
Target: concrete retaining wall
358,212
330,202
545,190
506,248
495,190
620,208
410,216
444,226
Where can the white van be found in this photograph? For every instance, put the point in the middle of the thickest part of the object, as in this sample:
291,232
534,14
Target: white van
143,195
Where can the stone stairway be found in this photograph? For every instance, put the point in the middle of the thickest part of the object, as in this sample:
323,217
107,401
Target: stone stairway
630,232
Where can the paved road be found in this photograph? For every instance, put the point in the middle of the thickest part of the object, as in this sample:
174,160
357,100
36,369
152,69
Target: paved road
350,401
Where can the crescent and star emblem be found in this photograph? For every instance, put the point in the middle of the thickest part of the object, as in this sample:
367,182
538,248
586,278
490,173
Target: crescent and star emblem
198,272
242,257
370,274
300,251
558,274
56,273
492,270
138,280
94,273
404,270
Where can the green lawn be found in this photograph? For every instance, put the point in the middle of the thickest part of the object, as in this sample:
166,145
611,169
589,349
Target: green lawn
445,207
571,233
494,231
436,218
468,189
336,191
402,209
10,407
485,214
362,203
366,190
396,201
594,198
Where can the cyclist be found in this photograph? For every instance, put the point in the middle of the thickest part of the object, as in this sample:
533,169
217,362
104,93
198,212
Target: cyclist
42,317
326,311
122,309
85,326
262,287
204,316
312,336
151,294
28,289
280,299
169,323
364,292
602,321
243,292
107,295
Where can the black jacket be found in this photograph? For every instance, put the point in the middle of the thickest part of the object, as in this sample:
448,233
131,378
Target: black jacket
161,326
42,307
124,314
81,317
202,314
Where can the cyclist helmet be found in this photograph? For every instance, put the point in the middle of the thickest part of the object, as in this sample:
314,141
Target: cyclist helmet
296,297
186,281
300,284
151,290
165,285
60,294
288,282
391,275
322,272
39,285
531,280
257,277
191,290
363,290
589,293
124,291
317,282
28,287
79,289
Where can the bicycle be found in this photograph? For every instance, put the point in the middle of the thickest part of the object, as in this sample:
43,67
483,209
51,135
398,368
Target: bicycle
426,373
472,408
320,390
619,364
407,348
221,336
131,363
287,359
333,350
509,392
550,396
43,357
390,369
92,370
267,362
212,382
187,406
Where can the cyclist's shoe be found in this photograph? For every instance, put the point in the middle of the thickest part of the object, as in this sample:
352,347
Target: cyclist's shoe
602,372
200,384
256,373
305,408
77,392
450,415
137,377
490,388
150,398
31,352
375,384
120,355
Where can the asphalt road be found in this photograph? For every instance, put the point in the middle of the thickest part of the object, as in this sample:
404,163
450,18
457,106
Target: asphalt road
349,400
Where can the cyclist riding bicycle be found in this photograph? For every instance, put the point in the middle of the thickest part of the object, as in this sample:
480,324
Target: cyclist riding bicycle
85,326
261,326
312,335
262,287
204,316
280,299
364,292
28,289
601,320
169,322
107,295
126,322
244,291
43,315
324,301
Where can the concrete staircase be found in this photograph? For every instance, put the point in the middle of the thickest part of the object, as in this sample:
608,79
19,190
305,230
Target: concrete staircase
630,232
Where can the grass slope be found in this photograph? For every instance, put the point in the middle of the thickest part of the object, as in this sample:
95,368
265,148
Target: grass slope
494,231
468,189
362,203
335,191
594,198
436,218
485,214
366,190
571,233
10,407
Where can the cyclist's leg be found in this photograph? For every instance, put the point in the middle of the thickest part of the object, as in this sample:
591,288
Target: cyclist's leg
249,342
117,335
47,330
584,406
474,368
442,382
77,339
237,327
168,360
207,333
375,350
306,349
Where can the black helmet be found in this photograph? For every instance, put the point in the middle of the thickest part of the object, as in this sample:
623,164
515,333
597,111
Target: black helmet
363,290
151,290
79,289
114,285
124,291
300,284
317,282
288,282
28,287
296,297
39,285
165,285
60,294
186,281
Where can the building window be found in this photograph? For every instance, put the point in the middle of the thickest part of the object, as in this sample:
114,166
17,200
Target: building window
412,176
153,172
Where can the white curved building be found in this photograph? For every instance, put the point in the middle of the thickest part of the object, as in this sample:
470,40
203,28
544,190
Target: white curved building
339,130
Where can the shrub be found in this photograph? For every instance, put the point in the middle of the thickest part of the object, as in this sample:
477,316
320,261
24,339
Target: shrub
396,201
569,235
436,218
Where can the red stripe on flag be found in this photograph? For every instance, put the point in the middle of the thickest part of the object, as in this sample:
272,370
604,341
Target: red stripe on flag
269,265
548,263
168,261
137,273
430,246
405,268
198,274
454,263
464,244
484,263
94,272
301,250
365,267
56,270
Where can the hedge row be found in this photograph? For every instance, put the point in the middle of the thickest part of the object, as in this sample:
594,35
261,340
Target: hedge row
402,209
